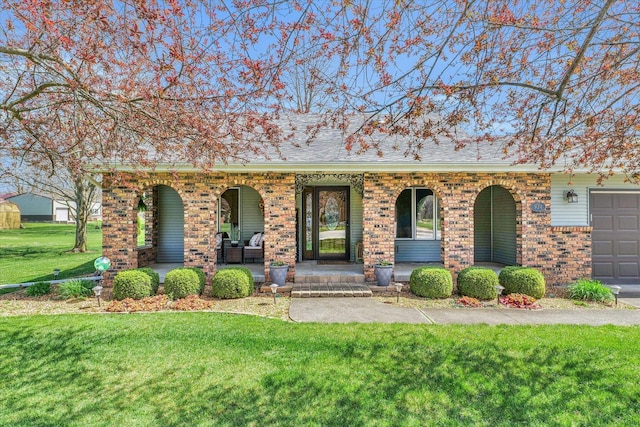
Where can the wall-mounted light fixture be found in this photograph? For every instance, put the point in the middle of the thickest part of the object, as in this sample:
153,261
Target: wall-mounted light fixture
571,196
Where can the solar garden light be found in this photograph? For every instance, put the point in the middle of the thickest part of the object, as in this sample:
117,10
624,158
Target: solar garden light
97,290
274,289
616,290
499,289
398,289
56,271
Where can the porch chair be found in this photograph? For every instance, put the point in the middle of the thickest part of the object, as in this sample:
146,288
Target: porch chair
220,237
254,247
359,252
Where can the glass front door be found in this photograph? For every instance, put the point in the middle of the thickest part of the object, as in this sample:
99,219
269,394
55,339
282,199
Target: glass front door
326,223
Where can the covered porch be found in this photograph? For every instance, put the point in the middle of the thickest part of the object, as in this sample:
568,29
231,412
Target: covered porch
311,271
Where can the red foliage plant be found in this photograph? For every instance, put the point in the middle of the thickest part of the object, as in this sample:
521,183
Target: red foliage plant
519,301
469,302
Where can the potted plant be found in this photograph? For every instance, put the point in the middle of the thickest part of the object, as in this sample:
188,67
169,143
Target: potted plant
234,235
278,272
383,271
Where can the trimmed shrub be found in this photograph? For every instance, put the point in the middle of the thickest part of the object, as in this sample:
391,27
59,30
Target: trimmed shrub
507,273
590,290
38,289
431,282
248,272
76,288
155,278
133,284
478,282
202,278
180,282
231,283
522,280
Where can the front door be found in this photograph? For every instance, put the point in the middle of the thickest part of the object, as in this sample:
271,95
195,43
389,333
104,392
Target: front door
326,223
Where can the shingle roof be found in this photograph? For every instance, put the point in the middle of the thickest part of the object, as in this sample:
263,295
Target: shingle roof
327,150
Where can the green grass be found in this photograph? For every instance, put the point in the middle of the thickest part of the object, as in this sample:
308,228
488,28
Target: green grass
31,254
226,370
425,224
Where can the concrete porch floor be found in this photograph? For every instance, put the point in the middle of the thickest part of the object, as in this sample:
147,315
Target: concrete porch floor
310,272
307,269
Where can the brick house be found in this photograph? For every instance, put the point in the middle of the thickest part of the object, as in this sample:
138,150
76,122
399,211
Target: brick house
319,202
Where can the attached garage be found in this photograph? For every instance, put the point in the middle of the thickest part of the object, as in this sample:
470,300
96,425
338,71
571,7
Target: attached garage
615,217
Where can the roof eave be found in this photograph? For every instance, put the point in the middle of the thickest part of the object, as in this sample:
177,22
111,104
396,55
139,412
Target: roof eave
351,167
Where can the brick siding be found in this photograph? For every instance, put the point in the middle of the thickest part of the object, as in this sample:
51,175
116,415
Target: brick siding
561,253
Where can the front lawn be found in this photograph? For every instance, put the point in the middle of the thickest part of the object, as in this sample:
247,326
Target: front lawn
230,370
32,253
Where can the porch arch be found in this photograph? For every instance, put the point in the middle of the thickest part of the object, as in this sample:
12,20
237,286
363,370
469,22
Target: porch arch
495,226
418,218
170,224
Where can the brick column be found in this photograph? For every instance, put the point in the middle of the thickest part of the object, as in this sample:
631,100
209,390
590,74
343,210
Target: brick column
119,214
200,207
378,215
279,193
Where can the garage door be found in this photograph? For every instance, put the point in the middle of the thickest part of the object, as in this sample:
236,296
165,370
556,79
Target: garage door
62,214
616,237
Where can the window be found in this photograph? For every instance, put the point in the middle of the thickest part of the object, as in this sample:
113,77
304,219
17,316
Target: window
417,215
229,210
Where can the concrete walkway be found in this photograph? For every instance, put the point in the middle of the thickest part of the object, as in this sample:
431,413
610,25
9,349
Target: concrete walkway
368,310
346,310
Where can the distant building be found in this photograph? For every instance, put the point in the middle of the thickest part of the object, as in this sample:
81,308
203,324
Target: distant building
9,215
35,208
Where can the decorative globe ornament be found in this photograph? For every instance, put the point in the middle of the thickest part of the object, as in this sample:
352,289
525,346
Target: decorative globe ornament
102,263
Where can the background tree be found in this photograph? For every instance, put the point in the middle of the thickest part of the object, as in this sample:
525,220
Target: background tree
555,83
76,187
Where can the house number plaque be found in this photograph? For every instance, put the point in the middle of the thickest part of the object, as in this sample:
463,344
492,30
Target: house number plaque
538,207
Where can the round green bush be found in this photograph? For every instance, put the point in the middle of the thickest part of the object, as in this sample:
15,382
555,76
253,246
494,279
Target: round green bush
431,282
246,271
131,284
202,278
231,283
155,278
478,282
180,282
522,280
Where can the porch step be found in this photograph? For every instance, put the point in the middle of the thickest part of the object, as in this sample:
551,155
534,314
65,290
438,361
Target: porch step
308,290
327,278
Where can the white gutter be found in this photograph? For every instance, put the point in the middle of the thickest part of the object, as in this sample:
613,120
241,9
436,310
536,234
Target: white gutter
357,167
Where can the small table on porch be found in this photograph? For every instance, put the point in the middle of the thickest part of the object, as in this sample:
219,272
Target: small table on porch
233,254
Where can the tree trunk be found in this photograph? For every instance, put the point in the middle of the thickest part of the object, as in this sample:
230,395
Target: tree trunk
81,233
84,194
